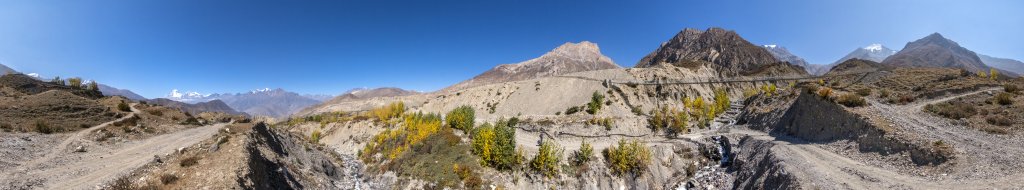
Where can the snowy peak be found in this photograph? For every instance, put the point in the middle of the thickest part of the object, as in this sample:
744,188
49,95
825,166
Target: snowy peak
770,46
874,47
187,97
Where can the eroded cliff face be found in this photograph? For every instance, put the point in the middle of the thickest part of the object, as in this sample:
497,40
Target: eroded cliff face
808,117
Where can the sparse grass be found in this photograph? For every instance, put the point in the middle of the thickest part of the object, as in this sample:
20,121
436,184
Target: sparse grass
955,110
1011,88
43,127
442,160
189,161
999,120
461,118
168,178
629,157
315,137
851,100
547,159
1004,98
864,92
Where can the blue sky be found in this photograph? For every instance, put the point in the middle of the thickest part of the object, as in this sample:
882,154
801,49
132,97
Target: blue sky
327,47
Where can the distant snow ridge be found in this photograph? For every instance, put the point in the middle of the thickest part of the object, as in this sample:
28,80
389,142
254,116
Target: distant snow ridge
770,46
34,75
188,97
261,90
874,47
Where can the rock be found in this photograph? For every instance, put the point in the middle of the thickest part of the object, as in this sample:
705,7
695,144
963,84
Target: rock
157,159
80,148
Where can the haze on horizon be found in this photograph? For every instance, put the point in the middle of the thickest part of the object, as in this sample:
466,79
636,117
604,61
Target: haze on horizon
329,47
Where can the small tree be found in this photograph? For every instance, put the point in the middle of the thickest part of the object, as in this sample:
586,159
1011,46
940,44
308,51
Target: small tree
546,160
93,86
75,82
57,80
583,155
595,103
993,73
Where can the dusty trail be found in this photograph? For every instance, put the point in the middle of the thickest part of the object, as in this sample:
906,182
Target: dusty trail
65,170
99,170
62,147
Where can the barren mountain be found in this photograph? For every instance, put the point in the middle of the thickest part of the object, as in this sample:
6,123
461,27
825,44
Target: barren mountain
111,91
1003,63
211,106
783,54
567,58
6,70
719,49
937,51
873,52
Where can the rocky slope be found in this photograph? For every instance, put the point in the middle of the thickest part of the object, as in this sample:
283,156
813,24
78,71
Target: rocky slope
1003,63
783,54
936,51
721,50
567,58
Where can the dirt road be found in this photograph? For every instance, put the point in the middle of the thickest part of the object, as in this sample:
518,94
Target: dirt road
66,170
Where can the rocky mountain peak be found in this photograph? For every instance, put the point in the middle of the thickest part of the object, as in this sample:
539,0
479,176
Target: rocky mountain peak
566,58
936,51
717,48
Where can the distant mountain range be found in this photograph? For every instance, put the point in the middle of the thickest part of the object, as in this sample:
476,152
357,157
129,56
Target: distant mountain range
196,108
567,58
275,103
1003,63
719,49
783,54
111,91
936,51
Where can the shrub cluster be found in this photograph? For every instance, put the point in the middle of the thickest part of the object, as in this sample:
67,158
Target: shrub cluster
315,137
674,121
629,157
387,113
954,110
583,155
391,143
124,107
851,100
461,118
547,159
769,89
1004,98
75,82
1011,88
825,92
496,144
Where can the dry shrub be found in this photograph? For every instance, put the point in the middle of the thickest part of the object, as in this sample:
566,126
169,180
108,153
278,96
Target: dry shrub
825,93
851,100
1004,98
999,120
189,161
955,110
168,178
864,92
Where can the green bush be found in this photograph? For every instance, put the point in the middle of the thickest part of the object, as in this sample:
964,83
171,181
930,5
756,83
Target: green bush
93,86
1011,88
441,160
496,145
595,103
583,155
851,100
124,107
572,110
547,159
461,118
629,157
955,110
75,82
1004,98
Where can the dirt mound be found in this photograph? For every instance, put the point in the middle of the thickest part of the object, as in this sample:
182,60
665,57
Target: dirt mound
28,85
52,111
760,167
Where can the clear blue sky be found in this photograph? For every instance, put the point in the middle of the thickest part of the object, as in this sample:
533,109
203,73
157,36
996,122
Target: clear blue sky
327,47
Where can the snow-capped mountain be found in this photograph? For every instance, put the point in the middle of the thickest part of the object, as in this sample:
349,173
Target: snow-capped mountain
873,52
259,102
783,54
